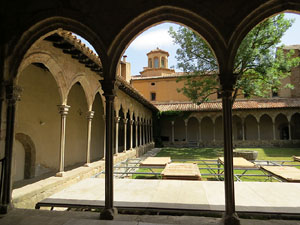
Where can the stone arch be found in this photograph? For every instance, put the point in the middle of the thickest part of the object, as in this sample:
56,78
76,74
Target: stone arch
282,127
251,127
56,71
44,25
237,128
167,13
30,154
219,128
255,17
193,129
179,129
80,78
266,127
207,129
295,126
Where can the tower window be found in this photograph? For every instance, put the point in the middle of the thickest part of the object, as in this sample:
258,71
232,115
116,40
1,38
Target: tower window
153,96
156,63
153,84
150,63
274,94
162,63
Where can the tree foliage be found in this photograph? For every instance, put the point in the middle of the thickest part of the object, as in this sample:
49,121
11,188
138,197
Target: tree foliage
260,66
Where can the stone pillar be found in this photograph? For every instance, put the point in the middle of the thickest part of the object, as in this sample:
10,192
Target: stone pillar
117,120
227,82
214,140
136,134
89,116
125,133
258,130
12,96
186,130
274,131
200,134
144,132
173,132
151,127
243,128
141,127
104,136
109,212
131,134
290,131
63,110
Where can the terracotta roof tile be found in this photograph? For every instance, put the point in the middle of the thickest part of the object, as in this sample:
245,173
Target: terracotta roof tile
239,104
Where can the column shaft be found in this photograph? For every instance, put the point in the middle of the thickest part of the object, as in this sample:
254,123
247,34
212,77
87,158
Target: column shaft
258,130
290,131
136,134
131,134
12,96
141,126
173,132
274,131
117,119
89,116
63,110
125,134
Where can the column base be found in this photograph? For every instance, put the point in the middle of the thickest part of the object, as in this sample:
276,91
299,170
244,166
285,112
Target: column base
232,219
87,165
4,209
60,174
108,214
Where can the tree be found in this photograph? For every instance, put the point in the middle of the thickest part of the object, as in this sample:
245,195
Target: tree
260,66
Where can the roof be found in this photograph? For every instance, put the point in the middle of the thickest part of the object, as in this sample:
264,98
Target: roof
158,50
70,44
173,75
273,103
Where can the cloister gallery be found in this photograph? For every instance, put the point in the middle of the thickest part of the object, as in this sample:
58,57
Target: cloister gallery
74,107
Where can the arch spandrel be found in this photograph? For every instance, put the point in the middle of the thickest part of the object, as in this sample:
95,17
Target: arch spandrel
55,69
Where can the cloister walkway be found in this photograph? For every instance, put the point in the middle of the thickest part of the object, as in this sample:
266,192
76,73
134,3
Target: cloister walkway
256,197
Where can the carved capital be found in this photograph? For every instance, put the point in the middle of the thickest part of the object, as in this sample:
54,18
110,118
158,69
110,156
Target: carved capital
131,122
108,87
227,82
90,115
63,109
117,119
13,93
125,121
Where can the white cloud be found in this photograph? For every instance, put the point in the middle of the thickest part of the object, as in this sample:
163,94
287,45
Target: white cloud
152,39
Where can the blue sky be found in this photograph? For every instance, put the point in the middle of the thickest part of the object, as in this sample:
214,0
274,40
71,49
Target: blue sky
158,36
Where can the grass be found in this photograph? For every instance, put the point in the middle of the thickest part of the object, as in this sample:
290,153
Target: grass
191,154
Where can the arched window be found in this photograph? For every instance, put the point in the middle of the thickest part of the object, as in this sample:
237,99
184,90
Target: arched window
162,63
155,62
150,63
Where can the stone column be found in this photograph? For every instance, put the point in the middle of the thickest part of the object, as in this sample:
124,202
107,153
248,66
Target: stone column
141,127
131,134
12,96
89,116
125,133
214,140
258,130
144,133
104,136
227,82
151,131
136,134
274,130
243,128
186,130
173,132
63,110
290,131
200,134
117,120
109,212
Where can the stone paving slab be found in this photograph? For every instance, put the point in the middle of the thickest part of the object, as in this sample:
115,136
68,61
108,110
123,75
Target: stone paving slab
42,217
260,197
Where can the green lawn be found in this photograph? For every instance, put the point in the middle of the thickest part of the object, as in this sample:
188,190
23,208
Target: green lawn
213,153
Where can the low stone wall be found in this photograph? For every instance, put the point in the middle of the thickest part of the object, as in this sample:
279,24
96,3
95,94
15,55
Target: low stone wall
141,150
238,144
27,196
